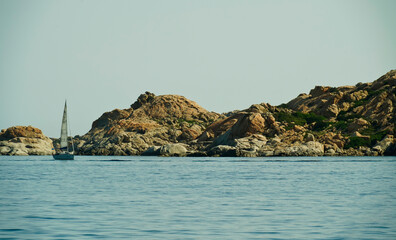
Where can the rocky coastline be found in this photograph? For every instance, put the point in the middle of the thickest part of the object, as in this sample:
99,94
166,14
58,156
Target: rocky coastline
329,121
24,140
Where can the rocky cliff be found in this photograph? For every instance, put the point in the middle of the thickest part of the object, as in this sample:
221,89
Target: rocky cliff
22,140
332,121
361,117
374,102
349,120
151,122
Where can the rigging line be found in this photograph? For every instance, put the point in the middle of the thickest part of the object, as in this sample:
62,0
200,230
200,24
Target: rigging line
71,136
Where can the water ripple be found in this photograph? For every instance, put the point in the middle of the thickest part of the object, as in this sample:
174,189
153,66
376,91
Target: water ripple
115,197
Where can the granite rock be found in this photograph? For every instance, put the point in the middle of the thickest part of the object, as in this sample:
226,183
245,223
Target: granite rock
24,140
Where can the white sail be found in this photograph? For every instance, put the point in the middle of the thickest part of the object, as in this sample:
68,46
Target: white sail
63,138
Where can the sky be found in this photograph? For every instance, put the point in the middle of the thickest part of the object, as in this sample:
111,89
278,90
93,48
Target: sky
223,54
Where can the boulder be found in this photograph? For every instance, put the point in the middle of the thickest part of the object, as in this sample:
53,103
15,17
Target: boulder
358,125
243,124
275,140
147,97
330,152
108,117
255,141
391,150
385,145
247,153
318,91
25,140
190,133
309,137
250,124
356,96
173,150
152,151
331,111
357,134
303,149
298,128
223,151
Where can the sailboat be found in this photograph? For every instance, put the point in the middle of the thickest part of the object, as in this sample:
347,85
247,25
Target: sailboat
63,152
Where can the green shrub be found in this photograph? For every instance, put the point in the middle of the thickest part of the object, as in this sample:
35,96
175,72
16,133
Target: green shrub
333,89
299,118
345,116
376,137
320,125
289,118
341,125
372,93
191,122
355,142
360,102
283,105
312,117
370,130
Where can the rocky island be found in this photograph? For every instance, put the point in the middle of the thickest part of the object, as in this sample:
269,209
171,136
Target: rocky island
332,121
24,140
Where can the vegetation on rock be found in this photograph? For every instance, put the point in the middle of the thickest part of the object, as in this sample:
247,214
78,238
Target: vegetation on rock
348,120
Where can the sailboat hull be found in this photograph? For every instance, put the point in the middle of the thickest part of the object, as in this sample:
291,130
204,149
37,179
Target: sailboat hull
63,156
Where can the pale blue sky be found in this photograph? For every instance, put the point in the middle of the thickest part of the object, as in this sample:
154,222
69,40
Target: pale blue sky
223,54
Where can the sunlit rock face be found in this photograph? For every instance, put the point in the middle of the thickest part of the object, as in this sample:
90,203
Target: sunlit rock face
24,140
373,101
348,120
150,121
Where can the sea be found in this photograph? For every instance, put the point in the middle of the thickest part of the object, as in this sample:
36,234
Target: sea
111,197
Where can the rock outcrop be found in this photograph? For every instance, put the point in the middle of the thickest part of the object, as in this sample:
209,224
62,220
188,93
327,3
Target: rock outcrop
349,120
151,122
372,101
358,117
22,140
330,121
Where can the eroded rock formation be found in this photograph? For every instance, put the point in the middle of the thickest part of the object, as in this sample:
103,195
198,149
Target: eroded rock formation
332,121
348,120
22,140
151,121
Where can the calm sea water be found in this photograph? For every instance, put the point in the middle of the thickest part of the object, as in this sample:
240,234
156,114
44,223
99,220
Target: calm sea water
198,198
